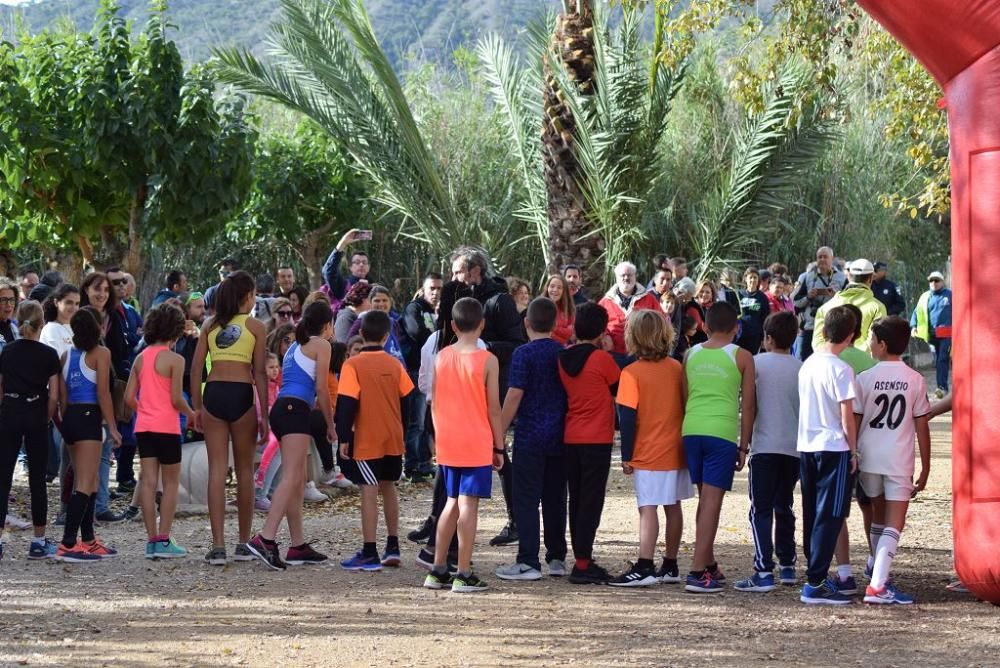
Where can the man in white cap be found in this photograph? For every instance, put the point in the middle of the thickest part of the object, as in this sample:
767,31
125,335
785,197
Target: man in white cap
858,292
930,321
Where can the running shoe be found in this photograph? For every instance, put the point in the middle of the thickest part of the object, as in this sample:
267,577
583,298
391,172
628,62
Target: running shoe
635,577
756,583
78,554
717,573
957,587
46,550
216,556
131,513
126,487
468,584
518,572
168,549
888,595
423,533
304,555
869,571
313,495
787,575
557,568
151,549
847,587
823,594
266,553
262,504
391,557
15,522
241,553
338,480
98,547
702,584
359,562
426,559
592,574
506,536
109,517
668,573
437,580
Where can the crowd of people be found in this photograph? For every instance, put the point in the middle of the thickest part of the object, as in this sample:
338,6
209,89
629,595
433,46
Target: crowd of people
804,377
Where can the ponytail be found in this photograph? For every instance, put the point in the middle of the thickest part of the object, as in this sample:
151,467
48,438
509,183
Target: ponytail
315,317
29,317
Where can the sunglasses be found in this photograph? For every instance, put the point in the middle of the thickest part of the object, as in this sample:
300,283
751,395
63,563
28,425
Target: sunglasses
935,280
119,281
283,314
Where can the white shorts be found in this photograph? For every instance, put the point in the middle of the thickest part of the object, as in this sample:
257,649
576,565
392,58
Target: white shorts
894,487
661,488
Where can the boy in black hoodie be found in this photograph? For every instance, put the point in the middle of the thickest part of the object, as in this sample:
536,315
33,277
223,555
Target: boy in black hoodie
590,377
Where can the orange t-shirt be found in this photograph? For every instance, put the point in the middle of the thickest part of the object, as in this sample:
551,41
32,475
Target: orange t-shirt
462,431
653,390
377,381
333,386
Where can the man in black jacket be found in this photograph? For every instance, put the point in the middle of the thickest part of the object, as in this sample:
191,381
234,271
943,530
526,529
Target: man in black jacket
503,332
419,321
886,291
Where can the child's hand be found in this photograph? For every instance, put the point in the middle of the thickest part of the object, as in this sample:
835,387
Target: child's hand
331,434
497,461
263,432
854,463
921,483
627,468
741,459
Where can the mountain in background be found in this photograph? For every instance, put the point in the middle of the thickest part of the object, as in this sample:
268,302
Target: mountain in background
425,30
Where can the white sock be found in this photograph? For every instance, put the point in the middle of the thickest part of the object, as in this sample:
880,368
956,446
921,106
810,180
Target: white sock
843,571
884,554
873,536
38,540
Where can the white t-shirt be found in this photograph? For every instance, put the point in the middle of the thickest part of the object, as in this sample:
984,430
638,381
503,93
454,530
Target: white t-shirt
428,353
825,381
890,397
57,335
777,404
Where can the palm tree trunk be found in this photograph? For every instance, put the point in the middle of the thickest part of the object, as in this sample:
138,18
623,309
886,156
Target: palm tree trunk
572,237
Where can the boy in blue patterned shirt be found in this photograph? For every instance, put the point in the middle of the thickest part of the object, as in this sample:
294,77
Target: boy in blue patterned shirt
538,401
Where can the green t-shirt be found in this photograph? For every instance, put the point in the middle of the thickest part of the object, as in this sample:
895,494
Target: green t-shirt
713,403
858,359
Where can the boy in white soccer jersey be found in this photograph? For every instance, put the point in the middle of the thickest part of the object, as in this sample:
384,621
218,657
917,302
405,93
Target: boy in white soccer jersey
891,405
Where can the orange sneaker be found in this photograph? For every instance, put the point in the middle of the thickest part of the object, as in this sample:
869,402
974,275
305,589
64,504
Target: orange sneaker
98,548
78,554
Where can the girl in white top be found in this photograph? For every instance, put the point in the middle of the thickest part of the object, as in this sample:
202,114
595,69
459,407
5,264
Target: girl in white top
59,308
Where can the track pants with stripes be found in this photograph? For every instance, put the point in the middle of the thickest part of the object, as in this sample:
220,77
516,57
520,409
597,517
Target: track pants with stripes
772,485
826,502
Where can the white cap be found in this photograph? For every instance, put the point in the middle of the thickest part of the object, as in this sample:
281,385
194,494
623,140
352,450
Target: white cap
860,267
935,274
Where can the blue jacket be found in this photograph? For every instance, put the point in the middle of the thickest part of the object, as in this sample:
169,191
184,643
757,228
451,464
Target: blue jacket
933,310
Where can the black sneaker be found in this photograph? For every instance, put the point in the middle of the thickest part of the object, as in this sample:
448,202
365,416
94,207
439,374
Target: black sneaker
669,573
421,535
109,517
304,554
266,553
126,487
506,536
635,577
131,513
592,574
426,559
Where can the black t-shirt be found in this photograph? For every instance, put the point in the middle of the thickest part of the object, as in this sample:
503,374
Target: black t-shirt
26,367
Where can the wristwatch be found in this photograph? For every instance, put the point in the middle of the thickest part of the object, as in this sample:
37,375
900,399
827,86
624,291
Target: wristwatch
500,451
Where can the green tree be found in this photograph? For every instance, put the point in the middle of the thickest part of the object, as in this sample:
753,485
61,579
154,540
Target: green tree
305,187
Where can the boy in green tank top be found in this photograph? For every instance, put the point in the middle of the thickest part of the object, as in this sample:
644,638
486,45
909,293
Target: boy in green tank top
717,374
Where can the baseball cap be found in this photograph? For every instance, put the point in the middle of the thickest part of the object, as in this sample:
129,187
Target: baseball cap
935,274
881,265
860,267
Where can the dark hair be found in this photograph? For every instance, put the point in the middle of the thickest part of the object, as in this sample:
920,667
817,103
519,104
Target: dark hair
315,317
357,294
591,321
541,315
49,308
467,313
282,267
86,328
51,279
659,259
451,293
777,268
687,322
375,326
356,253
838,325
751,271
473,257
24,271
894,332
173,278
93,278
163,323
265,284
114,270
678,260
574,267
277,334
300,292
338,355
231,263
857,320
229,297
782,327
721,317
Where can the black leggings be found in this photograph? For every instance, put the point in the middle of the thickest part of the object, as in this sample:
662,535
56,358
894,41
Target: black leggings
26,422
317,428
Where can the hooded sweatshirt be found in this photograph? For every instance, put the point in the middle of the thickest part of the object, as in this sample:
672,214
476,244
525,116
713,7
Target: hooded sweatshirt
590,377
861,296
619,308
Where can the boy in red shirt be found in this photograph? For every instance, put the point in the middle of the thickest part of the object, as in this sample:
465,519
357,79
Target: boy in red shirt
590,377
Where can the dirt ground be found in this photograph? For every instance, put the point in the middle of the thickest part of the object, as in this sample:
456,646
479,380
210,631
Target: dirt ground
130,611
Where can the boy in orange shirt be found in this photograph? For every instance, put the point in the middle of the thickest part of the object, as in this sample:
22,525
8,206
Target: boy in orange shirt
650,410
469,442
370,418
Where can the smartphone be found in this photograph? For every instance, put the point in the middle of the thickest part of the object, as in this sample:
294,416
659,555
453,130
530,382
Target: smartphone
364,235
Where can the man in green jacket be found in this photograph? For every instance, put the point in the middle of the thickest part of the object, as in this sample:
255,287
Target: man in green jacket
858,291
930,321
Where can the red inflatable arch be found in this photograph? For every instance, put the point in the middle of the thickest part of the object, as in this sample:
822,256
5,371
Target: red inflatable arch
958,41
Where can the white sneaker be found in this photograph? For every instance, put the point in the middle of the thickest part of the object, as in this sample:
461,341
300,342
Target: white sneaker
313,495
518,572
15,522
334,478
557,568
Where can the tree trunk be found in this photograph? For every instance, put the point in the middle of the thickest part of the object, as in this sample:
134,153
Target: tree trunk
572,236
312,252
133,260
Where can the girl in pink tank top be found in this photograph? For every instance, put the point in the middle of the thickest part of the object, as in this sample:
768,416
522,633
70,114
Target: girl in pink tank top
155,392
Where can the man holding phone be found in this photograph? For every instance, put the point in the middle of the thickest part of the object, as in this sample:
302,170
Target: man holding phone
815,287
358,268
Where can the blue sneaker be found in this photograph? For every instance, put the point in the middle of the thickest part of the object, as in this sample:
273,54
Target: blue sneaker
824,594
150,549
359,562
846,587
756,583
787,575
168,549
702,584
46,550
888,595
391,557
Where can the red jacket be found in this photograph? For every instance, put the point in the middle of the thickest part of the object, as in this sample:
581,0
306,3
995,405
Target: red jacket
642,299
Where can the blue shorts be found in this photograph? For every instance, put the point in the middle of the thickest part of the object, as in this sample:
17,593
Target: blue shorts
467,481
711,460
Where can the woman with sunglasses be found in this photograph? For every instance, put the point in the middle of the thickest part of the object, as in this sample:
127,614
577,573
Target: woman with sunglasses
281,313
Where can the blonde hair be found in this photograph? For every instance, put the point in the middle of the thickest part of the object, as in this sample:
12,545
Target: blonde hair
316,296
711,286
648,335
29,317
565,303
